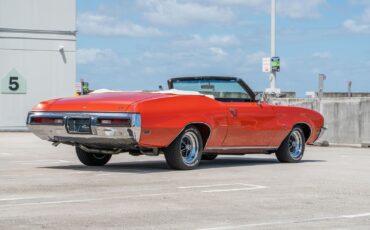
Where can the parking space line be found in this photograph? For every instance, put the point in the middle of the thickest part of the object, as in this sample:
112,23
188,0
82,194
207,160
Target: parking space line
229,187
18,198
31,162
234,189
287,222
357,215
207,186
85,200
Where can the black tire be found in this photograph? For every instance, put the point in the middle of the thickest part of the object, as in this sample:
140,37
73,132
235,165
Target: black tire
179,156
209,156
289,152
92,159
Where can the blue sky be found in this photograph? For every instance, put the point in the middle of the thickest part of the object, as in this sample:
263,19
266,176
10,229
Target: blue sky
139,44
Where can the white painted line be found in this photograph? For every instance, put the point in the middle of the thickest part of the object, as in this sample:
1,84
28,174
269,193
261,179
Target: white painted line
18,198
86,200
41,161
286,222
218,185
207,186
234,189
357,215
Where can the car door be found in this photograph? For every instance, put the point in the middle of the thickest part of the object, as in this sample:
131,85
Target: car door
250,124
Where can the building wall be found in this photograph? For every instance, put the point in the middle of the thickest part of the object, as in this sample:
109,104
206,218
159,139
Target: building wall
347,119
32,33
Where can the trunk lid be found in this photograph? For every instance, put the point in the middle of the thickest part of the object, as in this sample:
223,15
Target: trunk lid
101,102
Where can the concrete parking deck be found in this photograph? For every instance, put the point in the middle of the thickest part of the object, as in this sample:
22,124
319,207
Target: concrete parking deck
46,187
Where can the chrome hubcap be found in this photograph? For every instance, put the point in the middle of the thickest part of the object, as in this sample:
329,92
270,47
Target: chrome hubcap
295,144
189,147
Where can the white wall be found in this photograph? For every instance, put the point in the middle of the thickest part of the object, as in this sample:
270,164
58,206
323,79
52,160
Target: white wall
31,33
347,119
38,14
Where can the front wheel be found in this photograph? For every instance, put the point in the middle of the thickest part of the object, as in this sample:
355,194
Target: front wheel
92,159
292,148
185,151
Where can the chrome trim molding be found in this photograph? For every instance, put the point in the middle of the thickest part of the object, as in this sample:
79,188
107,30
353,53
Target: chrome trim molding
243,148
114,136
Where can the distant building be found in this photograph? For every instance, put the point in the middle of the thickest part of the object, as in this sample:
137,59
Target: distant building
37,56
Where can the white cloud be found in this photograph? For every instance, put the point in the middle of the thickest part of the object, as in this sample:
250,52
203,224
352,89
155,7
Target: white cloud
103,25
301,9
95,55
175,12
322,55
286,8
255,58
360,24
356,27
213,40
218,52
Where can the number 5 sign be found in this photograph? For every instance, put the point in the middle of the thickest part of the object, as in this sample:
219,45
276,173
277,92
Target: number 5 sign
13,83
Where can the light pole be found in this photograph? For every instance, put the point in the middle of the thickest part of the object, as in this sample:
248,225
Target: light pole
322,78
273,44
273,89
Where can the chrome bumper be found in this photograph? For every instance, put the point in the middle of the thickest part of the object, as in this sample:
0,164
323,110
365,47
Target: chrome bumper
101,136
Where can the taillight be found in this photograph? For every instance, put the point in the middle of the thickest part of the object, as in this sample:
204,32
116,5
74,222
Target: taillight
46,121
114,122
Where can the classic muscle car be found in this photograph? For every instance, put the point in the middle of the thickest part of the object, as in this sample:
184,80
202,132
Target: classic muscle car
197,118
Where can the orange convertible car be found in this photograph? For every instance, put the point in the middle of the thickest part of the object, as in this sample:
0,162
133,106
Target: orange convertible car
197,118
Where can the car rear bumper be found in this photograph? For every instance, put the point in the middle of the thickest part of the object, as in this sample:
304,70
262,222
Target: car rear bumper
98,135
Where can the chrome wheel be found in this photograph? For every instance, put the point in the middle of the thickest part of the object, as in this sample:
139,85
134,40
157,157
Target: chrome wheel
185,151
189,148
295,145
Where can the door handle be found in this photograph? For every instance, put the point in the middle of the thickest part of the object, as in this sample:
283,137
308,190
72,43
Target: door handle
233,112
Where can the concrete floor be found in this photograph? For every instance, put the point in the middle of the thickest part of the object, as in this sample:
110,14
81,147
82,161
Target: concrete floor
46,187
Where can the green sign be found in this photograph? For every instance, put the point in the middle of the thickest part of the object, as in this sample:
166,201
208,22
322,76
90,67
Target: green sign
13,83
275,64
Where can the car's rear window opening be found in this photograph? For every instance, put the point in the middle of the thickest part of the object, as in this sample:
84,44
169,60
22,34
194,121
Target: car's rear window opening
222,90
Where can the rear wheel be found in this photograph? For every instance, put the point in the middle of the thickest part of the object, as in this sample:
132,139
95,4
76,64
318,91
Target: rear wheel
209,156
92,159
292,148
185,151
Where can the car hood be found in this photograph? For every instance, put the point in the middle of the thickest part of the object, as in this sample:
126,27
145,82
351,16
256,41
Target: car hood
102,102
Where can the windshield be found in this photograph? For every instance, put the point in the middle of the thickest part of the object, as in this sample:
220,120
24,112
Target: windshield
223,90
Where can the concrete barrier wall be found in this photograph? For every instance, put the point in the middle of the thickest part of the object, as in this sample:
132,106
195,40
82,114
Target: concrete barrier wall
347,119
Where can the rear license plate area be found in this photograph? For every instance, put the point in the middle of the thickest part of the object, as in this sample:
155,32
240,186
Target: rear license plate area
79,125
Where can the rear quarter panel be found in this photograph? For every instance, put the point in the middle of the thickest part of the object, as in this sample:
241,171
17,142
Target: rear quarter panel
163,119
